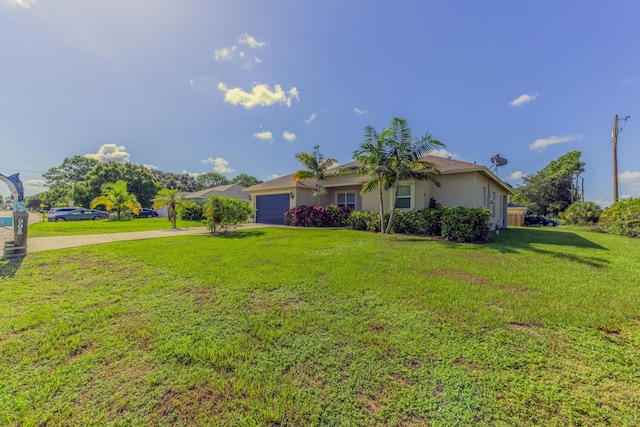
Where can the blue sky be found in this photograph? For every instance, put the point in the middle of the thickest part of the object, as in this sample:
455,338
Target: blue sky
241,86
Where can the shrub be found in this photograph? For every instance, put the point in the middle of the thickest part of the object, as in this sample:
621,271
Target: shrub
191,211
466,225
582,213
425,222
226,212
622,218
317,216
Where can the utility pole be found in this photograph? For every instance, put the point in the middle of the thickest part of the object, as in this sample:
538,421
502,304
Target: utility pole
614,135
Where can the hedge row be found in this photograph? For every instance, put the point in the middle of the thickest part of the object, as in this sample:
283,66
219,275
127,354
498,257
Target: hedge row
317,216
454,224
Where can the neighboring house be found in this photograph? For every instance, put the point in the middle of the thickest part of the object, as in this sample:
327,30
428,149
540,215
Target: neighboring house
230,190
461,184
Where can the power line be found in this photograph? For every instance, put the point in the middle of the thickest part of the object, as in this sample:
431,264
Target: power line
20,170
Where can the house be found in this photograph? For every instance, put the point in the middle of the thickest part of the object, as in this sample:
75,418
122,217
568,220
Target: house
515,215
461,184
230,190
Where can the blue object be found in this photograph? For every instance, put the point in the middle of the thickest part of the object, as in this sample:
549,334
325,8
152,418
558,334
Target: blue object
6,221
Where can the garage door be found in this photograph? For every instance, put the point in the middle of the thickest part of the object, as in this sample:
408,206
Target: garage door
271,208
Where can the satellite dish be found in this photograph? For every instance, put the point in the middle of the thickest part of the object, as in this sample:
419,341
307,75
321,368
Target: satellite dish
497,161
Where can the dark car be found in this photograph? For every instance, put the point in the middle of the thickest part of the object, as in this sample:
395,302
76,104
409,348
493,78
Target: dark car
540,220
146,213
79,215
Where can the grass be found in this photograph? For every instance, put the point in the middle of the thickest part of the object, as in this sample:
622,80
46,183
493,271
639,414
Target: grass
324,327
74,228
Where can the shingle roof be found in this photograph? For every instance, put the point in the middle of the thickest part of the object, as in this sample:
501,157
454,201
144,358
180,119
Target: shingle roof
229,190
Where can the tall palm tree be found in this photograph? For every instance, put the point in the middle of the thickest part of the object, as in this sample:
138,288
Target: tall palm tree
372,159
406,162
315,166
115,196
173,200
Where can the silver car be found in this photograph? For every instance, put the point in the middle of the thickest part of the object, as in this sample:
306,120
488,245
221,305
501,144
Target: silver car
79,215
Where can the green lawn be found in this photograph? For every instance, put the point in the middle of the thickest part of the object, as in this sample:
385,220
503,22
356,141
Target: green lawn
304,327
69,228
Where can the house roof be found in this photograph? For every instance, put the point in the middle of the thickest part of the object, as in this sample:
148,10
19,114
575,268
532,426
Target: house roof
230,190
445,166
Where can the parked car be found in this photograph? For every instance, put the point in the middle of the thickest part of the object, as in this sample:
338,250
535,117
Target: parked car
79,215
54,212
146,213
540,220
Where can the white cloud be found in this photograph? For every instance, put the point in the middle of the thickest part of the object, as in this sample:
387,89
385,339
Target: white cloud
265,136
35,185
260,95
225,53
359,111
523,99
151,167
22,3
201,83
251,41
220,165
311,118
632,180
257,60
289,136
273,176
631,81
515,176
441,152
544,142
193,174
110,153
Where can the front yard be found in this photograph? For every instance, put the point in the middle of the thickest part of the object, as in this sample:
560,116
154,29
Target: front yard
324,327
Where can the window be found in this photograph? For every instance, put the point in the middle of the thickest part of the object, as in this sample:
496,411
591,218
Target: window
403,201
346,199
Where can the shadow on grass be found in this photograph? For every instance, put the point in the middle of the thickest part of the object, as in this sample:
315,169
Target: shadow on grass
237,234
514,239
9,267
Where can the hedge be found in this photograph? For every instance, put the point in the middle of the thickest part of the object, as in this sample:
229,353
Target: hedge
317,216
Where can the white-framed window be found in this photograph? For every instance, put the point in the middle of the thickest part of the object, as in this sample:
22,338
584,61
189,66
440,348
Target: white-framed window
347,199
404,200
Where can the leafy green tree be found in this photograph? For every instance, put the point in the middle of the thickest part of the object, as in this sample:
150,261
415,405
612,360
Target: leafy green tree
173,200
551,190
225,212
405,159
139,181
315,166
622,218
68,174
245,180
582,213
180,181
115,196
211,179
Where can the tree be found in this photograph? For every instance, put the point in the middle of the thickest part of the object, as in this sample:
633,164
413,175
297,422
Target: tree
245,180
68,174
405,154
211,179
182,182
115,196
139,181
551,190
225,212
315,166
173,200
372,159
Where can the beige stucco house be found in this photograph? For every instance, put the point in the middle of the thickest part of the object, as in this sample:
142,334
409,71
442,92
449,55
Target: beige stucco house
461,184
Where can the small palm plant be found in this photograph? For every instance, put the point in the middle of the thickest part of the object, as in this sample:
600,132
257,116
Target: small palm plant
315,166
115,196
173,200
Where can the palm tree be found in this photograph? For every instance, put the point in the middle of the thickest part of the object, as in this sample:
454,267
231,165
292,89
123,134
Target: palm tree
173,200
315,166
405,159
115,196
372,159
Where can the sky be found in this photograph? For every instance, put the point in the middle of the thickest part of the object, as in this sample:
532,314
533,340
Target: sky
238,86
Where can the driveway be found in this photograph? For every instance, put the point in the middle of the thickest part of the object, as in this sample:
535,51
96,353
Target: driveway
6,233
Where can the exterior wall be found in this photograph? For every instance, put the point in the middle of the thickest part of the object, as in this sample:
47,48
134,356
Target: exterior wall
305,197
